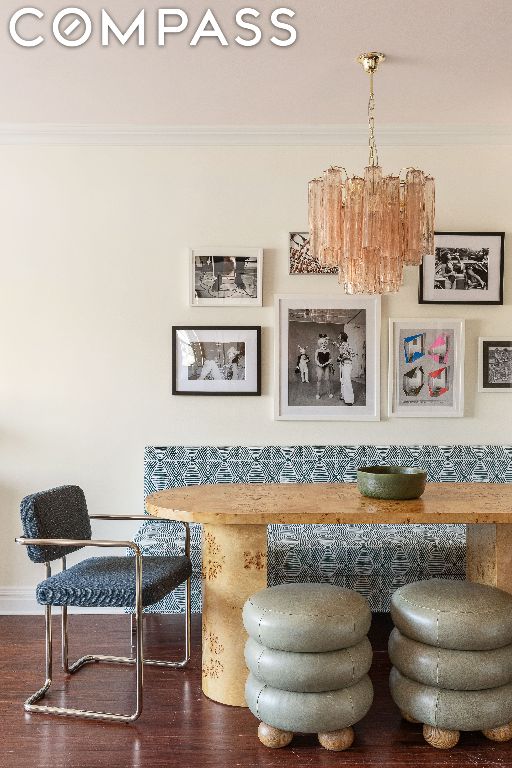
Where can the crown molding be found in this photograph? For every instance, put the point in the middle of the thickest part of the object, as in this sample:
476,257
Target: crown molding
57,134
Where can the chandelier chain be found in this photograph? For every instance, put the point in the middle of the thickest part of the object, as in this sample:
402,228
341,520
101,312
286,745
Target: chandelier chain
374,155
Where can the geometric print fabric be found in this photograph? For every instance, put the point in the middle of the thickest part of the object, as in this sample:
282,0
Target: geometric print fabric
373,559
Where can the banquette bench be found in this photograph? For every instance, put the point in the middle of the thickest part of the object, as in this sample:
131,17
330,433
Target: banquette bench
373,559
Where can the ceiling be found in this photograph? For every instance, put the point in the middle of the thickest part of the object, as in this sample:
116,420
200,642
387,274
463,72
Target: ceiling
445,66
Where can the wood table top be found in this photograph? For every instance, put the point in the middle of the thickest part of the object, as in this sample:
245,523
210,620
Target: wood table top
313,503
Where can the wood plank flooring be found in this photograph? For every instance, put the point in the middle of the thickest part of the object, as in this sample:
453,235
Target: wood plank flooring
179,726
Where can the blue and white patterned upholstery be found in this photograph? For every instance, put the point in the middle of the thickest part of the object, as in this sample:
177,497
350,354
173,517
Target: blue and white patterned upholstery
60,513
373,559
109,582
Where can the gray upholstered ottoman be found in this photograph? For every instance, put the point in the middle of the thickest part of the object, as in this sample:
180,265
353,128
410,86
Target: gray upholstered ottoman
451,651
308,658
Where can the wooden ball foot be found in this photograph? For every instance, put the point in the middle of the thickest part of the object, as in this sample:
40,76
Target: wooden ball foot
407,717
502,733
273,737
440,738
337,741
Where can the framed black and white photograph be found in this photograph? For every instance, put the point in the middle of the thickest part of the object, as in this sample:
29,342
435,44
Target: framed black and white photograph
216,360
495,364
327,358
426,368
465,268
302,261
226,277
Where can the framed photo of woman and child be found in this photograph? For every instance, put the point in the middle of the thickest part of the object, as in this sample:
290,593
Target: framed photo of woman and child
327,358
465,268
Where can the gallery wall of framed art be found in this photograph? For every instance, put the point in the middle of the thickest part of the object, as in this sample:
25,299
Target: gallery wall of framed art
238,281
327,347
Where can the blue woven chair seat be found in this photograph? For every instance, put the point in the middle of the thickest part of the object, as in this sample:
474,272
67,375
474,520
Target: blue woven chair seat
109,582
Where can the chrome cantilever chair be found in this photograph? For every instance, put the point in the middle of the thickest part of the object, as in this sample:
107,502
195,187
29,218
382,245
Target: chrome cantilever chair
56,523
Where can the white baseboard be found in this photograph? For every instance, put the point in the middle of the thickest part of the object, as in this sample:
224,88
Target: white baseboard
21,601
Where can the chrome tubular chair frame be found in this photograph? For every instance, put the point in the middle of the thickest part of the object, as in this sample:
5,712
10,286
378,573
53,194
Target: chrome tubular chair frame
138,660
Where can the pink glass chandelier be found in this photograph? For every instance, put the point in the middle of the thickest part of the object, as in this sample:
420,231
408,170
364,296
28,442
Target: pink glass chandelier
370,227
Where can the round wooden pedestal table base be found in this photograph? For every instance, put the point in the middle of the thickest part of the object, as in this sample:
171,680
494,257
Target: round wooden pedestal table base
440,738
234,567
408,718
273,737
337,741
502,733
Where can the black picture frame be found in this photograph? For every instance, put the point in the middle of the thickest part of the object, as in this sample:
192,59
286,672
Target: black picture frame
423,299
485,344
256,392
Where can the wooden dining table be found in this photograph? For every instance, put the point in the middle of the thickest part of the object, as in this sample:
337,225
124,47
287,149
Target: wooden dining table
234,546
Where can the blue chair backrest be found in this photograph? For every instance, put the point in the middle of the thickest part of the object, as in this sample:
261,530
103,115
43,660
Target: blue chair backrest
60,513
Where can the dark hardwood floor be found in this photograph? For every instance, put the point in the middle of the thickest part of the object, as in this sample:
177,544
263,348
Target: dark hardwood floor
179,726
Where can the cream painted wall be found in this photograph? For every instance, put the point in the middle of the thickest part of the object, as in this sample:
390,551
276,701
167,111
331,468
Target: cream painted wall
94,273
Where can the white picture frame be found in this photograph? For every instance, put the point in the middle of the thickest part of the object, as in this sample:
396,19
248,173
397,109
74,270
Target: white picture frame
499,381
300,319
225,277
434,387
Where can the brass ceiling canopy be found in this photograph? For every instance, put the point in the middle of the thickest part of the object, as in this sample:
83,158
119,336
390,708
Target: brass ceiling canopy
370,61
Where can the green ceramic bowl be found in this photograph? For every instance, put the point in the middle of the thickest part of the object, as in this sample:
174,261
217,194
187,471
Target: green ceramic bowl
391,482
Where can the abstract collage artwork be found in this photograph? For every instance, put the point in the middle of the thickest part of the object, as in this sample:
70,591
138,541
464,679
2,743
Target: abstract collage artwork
426,360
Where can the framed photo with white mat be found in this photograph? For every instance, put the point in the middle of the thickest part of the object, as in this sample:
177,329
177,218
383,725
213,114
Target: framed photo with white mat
465,268
327,358
216,360
226,277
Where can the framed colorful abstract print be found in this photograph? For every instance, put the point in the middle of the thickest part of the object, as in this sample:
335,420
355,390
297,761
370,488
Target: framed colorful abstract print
426,368
495,364
465,268
327,358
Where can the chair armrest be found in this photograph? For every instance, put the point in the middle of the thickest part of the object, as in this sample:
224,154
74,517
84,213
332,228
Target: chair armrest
143,518
125,517
77,543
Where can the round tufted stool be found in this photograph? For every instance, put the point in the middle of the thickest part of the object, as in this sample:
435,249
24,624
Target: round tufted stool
308,658
451,651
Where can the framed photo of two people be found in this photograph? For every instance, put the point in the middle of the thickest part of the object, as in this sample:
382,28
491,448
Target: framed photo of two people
465,268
